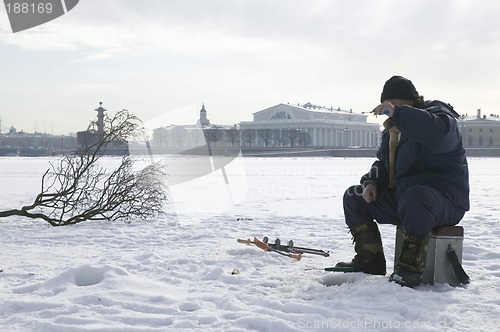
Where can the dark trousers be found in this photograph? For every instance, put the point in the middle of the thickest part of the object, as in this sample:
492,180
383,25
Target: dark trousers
418,210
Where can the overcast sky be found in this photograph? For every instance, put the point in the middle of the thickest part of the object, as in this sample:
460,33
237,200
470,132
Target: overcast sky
161,58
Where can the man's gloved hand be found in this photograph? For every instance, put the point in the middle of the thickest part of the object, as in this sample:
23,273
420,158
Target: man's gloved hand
386,108
369,192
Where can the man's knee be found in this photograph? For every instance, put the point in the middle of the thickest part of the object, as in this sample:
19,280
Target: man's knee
353,207
353,193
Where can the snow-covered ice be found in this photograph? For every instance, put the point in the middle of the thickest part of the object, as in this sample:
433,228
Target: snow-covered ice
174,273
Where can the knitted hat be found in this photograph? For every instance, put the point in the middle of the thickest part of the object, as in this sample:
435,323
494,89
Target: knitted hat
398,87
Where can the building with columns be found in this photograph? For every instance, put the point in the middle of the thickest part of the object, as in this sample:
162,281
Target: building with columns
309,125
481,131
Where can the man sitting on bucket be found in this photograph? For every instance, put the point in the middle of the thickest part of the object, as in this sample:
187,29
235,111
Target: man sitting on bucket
420,181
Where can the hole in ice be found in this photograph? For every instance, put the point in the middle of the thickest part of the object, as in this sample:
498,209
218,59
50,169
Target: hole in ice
337,279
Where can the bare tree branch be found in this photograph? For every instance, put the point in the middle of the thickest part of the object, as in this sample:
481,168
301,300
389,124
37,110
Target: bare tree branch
78,187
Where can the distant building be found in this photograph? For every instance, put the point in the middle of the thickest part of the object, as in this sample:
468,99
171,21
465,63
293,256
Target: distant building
192,136
481,131
309,125
19,143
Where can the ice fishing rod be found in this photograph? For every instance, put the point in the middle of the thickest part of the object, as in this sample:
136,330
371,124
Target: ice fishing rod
386,112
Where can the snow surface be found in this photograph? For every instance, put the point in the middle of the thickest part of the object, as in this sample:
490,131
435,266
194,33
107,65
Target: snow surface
175,273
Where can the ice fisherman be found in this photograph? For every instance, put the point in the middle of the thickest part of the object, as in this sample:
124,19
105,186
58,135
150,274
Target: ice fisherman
420,181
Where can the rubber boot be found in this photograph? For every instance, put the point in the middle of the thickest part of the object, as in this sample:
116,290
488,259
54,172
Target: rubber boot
369,256
411,264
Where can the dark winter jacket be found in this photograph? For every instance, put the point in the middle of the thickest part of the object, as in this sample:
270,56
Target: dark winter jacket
429,152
